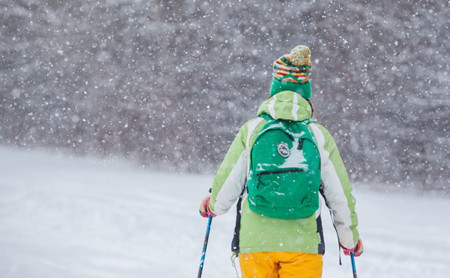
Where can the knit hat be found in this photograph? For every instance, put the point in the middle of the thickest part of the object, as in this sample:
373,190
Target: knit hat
291,72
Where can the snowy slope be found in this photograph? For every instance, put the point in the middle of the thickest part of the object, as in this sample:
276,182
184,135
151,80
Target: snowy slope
72,217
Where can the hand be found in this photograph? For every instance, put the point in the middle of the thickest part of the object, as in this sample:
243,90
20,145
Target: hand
357,250
204,207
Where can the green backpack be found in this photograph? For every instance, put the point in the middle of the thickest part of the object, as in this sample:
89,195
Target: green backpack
284,175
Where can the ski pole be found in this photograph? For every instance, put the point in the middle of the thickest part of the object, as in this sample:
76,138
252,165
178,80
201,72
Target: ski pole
352,257
205,245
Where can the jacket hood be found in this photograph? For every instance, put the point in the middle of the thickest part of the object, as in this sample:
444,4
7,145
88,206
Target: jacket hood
286,105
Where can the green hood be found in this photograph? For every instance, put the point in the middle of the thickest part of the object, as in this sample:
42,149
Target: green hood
286,105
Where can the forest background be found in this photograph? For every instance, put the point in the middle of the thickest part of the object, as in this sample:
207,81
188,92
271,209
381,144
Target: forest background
168,83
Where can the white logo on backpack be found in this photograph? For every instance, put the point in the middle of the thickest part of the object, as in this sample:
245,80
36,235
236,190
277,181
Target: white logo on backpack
283,149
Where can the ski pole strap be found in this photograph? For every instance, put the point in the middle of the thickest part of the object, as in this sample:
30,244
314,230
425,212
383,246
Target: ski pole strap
233,262
339,245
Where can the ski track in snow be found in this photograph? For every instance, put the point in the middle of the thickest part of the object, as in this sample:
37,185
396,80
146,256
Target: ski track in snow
82,217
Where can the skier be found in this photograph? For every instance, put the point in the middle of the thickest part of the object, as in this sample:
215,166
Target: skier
285,244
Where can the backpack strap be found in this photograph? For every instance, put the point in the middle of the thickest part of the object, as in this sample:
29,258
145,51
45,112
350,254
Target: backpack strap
266,117
309,121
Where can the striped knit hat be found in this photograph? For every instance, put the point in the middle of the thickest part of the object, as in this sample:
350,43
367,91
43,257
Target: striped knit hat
291,72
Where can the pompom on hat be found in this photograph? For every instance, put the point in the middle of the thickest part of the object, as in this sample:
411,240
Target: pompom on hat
291,72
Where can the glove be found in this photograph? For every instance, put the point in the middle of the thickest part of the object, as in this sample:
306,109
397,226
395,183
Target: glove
357,250
204,207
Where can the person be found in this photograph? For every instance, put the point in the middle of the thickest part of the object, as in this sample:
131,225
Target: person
276,247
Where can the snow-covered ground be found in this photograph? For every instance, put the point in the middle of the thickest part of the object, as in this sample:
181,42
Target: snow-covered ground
81,217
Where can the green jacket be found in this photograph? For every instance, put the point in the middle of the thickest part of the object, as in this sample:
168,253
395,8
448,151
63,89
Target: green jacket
263,234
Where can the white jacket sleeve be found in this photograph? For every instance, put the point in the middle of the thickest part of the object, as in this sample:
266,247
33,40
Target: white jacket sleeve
336,188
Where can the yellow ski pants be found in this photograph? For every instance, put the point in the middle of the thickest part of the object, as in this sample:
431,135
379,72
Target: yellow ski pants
280,265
